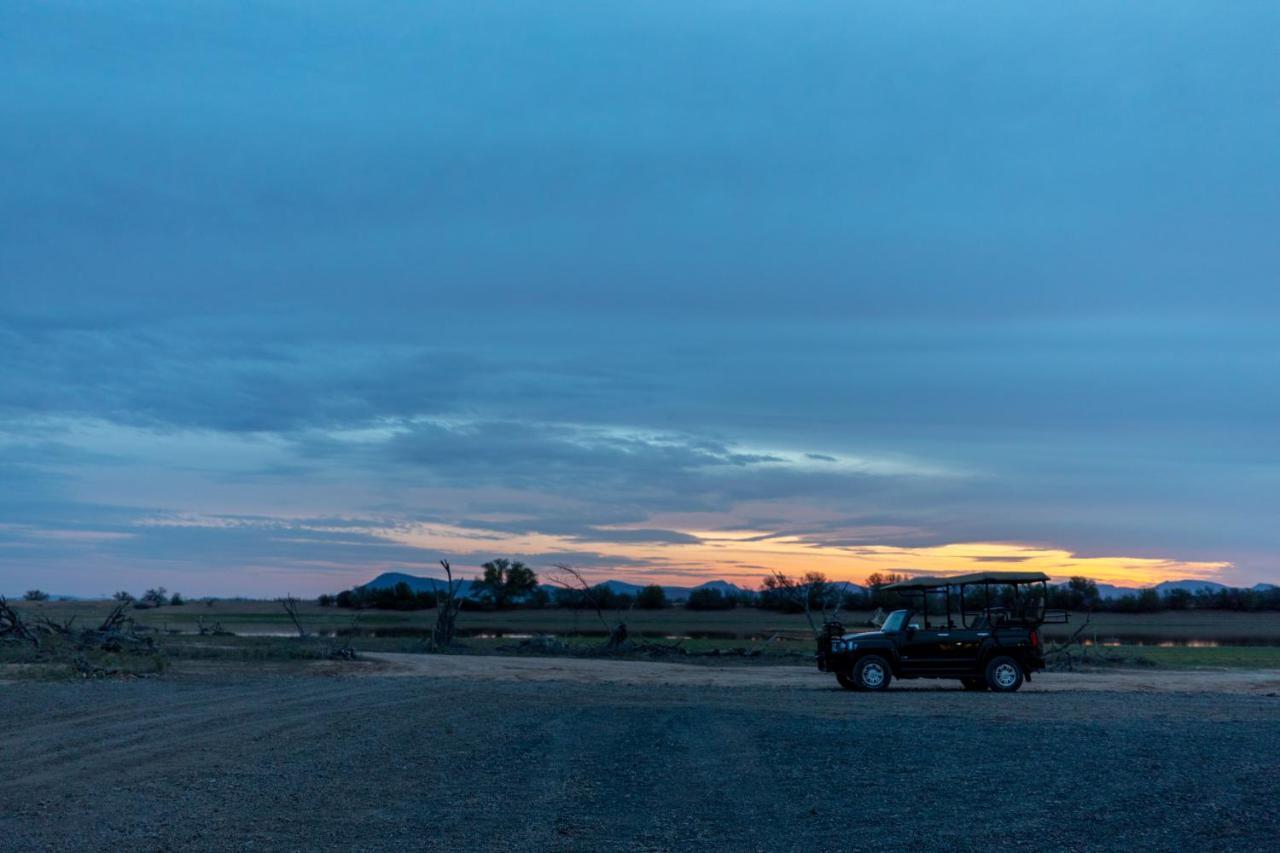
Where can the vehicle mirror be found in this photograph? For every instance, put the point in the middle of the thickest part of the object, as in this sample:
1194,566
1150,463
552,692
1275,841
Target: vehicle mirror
914,626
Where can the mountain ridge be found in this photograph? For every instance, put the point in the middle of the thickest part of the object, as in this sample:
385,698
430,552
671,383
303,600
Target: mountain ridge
417,583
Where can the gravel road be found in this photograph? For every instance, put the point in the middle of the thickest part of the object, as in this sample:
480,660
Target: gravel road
468,762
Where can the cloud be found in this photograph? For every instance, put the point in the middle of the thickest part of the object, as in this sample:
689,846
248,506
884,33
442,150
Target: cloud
994,310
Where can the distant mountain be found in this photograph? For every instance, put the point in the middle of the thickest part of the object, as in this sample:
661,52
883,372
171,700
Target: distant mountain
676,593
388,580
1263,587
1107,590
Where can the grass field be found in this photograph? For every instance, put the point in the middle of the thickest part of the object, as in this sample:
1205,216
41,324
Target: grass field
263,632
256,617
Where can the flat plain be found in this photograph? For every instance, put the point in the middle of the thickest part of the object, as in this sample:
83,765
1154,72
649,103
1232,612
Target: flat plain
554,754
261,741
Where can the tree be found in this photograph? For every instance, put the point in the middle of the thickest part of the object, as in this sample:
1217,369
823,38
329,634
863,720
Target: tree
325,600
877,596
504,582
652,597
157,597
124,595
1084,594
176,600
35,595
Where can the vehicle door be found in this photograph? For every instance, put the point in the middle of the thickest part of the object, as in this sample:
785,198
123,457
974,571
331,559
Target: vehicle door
920,651
939,650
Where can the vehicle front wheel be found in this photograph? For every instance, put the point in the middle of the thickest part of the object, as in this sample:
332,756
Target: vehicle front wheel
846,681
1004,675
974,683
871,673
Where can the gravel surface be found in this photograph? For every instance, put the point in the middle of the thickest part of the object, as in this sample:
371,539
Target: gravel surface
382,763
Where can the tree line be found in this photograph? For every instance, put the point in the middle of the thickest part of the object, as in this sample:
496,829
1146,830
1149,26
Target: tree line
507,584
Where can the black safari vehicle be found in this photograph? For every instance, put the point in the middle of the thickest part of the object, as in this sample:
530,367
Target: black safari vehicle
983,629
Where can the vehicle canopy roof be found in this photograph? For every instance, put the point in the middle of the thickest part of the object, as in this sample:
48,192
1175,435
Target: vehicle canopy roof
974,578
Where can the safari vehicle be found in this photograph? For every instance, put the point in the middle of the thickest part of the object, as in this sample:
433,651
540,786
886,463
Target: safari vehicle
982,629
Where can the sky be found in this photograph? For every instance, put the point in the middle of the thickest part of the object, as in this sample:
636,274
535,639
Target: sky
295,293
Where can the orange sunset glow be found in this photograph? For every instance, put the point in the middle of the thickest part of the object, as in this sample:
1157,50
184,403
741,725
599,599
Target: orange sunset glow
745,556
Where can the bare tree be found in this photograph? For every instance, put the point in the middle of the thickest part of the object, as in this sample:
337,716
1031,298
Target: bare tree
447,610
290,605
571,578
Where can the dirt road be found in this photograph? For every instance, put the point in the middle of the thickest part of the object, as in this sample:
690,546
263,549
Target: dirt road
596,671
493,754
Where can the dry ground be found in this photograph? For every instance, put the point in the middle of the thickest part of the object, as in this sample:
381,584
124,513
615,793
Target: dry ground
487,753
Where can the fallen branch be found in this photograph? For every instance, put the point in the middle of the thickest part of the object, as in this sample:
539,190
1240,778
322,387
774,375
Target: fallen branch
12,628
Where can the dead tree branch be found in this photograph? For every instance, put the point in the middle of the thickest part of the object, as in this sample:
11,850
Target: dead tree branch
447,609
1065,647
116,632
571,578
12,628
290,605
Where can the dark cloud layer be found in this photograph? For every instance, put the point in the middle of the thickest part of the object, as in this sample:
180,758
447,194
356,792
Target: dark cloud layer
983,273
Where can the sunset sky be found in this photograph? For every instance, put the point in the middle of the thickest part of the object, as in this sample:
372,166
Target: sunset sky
296,293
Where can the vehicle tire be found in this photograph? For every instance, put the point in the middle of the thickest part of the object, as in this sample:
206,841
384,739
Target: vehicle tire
974,683
1004,674
871,673
846,680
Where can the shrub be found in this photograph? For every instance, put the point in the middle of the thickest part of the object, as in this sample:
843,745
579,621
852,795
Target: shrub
35,595
176,600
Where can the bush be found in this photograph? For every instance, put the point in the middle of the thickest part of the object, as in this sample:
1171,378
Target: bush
176,600
35,595
325,600
124,596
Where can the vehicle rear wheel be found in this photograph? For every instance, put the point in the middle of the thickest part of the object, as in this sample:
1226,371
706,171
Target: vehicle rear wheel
871,673
974,683
846,681
1004,675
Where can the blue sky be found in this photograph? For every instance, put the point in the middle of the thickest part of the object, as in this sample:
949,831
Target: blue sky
294,293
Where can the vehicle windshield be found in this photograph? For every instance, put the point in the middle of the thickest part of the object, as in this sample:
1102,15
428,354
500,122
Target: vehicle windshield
895,621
